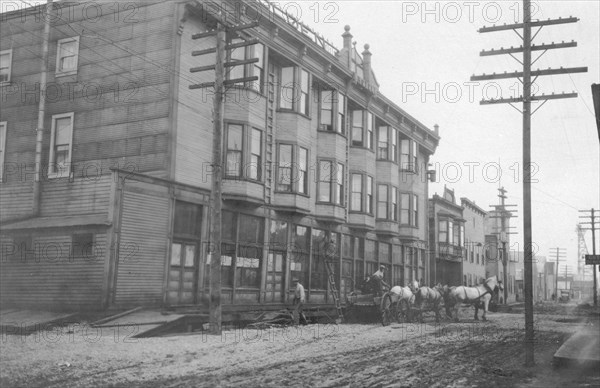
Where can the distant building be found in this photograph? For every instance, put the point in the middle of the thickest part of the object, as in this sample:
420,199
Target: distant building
446,239
474,258
498,257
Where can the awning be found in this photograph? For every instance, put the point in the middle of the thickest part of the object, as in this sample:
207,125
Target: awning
57,222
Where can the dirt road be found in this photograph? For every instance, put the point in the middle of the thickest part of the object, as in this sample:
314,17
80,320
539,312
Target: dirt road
469,353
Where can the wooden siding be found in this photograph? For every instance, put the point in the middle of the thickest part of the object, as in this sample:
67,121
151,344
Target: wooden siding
143,241
120,94
54,275
16,200
193,149
82,196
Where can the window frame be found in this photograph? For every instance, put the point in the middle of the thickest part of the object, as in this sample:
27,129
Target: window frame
3,134
52,166
295,105
360,193
383,188
9,53
336,188
295,168
244,173
59,44
408,155
391,143
406,214
338,117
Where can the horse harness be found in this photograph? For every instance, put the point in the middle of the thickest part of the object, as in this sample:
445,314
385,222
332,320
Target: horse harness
487,290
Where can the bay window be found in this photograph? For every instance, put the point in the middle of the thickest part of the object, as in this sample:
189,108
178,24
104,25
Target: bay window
443,231
408,155
248,70
357,128
409,209
292,169
370,130
332,111
331,182
356,195
244,152
415,209
294,89
369,195
387,143
382,202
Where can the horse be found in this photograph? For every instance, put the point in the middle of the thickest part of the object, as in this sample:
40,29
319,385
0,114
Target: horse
478,296
432,298
404,298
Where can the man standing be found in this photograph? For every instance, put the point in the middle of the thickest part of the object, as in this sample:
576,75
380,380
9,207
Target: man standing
298,302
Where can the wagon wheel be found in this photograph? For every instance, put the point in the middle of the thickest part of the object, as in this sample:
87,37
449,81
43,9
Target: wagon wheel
403,313
386,310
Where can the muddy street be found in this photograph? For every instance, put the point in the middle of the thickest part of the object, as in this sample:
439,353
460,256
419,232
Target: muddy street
468,353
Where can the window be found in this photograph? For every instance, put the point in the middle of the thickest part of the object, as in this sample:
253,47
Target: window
443,231
299,254
304,90
326,103
356,195
325,246
331,182
405,209
67,53
286,97
241,262
188,219
61,139
408,155
2,147
382,202
5,65
341,113
248,70
332,111
473,257
394,204
382,143
369,130
461,239
457,237
450,233
387,139
369,195
357,128
295,89
285,168
234,150
244,152
255,155
415,208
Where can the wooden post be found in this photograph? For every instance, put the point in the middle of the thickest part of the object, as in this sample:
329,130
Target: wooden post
215,196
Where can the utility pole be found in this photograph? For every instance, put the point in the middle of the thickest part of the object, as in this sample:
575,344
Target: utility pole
504,215
592,222
559,253
526,99
223,34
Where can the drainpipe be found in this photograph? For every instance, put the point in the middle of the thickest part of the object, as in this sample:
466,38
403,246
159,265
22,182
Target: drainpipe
41,114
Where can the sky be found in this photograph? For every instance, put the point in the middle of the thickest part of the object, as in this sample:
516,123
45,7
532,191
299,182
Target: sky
424,53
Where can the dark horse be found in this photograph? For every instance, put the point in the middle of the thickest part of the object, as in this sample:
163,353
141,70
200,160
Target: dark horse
479,297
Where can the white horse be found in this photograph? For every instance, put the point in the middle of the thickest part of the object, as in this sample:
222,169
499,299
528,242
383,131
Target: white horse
478,296
404,298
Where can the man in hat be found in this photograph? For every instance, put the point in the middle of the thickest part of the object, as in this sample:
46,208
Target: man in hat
378,282
299,298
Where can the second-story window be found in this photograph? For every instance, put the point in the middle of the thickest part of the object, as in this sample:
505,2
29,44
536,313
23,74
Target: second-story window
254,172
5,65
356,196
292,169
405,209
244,152
369,208
67,54
304,92
443,231
332,111
415,209
331,182
394,204
61,139
2,147
382,202
286,96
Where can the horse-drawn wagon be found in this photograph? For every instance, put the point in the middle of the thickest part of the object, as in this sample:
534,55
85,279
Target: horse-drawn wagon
393,305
